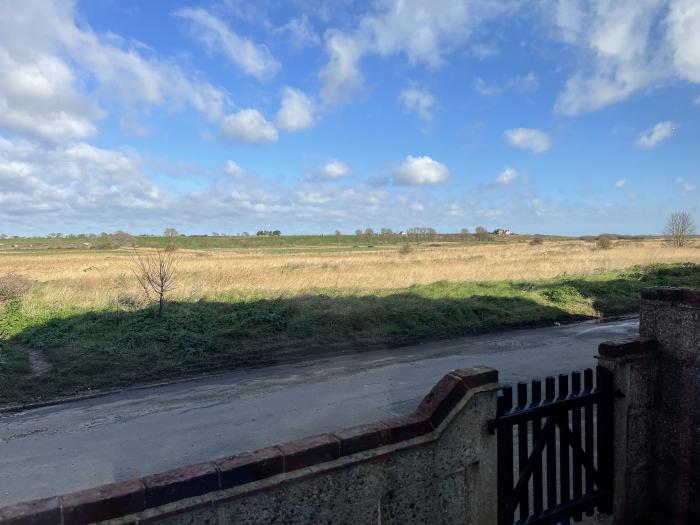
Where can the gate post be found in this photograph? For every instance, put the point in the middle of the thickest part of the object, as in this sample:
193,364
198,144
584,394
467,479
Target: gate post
629,363
672,317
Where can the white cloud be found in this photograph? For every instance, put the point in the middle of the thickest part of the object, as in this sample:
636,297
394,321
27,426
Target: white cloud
300,31
521,84
253,59
526,138
507,176
654,136
250,126
233,169
296,111
683,23
43,94
525,83
77,180
620,183
485,89
332,170
421,170
686,185
341,76
625,47
424,32
421,101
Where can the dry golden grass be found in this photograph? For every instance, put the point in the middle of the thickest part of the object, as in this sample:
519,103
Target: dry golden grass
99,278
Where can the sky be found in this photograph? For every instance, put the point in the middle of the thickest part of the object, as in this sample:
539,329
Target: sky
310,116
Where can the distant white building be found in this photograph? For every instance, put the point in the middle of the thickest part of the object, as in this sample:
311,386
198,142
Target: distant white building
502,231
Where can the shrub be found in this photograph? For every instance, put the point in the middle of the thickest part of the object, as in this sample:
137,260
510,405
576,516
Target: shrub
14,286
563,294
405,249
604,242
537,240
482,233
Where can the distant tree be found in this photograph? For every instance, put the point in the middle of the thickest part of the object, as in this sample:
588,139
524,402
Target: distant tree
369,232
358,232
246,234
679,227
604,242
121,238
170,232
464,232
155,272
481,233
276,233
337,233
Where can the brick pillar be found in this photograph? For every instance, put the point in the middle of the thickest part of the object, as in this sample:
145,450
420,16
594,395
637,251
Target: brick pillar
671,316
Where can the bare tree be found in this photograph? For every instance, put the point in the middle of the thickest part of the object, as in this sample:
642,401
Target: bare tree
679,227
170,232
156,271
482,233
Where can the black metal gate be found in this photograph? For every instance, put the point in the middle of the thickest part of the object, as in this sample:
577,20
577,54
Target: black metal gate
572,430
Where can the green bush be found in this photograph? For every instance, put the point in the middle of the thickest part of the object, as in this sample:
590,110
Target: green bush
563,294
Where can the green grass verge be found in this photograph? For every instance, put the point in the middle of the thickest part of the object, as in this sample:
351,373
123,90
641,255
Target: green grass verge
90,349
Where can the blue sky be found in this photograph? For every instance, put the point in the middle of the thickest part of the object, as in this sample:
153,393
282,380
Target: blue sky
566,117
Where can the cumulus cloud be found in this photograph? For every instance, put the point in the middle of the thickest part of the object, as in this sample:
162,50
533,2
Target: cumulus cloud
420,170
620,183
417,100
253,59
331,170
296,111
250,126
655,135
527,138
75,180
233,169
43,94
625,47
341,76
423,32
507,176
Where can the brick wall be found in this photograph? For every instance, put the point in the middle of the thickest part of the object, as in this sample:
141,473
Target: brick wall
436,465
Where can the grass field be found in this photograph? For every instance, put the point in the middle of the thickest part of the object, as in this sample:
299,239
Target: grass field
85,325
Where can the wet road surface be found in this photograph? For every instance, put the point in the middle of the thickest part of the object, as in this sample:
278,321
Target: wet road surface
71,446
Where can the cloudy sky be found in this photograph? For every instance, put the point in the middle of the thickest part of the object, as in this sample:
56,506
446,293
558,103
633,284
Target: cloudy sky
308,116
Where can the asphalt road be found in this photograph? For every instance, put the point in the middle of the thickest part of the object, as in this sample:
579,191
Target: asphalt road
62,448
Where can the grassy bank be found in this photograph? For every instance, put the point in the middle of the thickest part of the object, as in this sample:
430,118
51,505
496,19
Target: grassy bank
92,348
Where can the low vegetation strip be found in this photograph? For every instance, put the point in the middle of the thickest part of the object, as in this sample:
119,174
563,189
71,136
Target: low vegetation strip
88,348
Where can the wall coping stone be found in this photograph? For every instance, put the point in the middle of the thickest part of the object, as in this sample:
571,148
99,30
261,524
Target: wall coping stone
625,348
122,498
687,296
40,511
